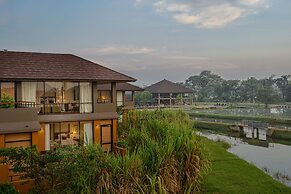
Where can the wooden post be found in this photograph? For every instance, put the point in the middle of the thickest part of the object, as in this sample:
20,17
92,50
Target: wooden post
159,100
170,99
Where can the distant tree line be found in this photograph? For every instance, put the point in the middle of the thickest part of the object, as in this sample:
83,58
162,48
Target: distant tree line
212,87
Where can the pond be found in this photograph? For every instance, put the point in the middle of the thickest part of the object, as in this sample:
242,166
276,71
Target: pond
274,159
269,112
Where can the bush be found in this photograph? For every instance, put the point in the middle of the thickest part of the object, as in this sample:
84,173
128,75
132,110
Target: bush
212,126
163,156
7,188
6,101
283,135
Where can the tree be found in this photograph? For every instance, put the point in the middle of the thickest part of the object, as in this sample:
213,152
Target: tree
143,98
204,85
282,83
288,93
267,95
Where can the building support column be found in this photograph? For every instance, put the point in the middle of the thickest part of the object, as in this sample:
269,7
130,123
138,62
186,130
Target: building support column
170,99
159,100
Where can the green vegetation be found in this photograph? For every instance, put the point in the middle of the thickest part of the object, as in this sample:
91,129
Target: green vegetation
7,189
229,174
282,135
211,87
142,98
225,127
240,118
6,101
164,155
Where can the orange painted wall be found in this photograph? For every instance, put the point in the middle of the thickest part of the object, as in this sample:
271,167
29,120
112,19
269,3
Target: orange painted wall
114,125
38,139
4,170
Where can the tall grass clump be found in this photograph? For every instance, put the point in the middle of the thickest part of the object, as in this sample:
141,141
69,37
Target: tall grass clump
164,155
170,152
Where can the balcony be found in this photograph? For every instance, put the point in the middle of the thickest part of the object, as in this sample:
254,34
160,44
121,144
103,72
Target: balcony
52,108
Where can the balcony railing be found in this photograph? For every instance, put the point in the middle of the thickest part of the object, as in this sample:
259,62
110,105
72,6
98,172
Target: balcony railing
49,108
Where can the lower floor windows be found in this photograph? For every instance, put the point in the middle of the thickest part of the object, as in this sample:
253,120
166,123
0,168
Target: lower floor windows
68,133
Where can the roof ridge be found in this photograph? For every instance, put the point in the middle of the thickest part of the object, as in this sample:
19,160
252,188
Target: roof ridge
34,52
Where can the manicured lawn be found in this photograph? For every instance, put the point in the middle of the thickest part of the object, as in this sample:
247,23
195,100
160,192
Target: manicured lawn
229,174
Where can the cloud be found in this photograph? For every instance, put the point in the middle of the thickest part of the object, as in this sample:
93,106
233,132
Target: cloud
208,13
118,49
151,64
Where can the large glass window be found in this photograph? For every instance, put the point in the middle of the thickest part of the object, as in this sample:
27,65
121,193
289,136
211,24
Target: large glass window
70,133
67,97
64,134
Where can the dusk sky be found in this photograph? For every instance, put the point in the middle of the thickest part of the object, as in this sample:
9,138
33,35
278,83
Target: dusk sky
156,39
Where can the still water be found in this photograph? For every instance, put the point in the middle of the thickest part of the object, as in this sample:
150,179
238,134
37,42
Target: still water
275,159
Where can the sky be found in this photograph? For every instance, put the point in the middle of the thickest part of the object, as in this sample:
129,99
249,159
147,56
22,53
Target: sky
153,40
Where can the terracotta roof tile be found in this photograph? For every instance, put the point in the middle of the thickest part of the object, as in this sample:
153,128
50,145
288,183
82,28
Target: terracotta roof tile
50,66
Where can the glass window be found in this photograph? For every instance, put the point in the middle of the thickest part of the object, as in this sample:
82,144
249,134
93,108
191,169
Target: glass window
64,134
65,97
128,95
86,97
71,96
104,96
53,97
39,100
86,133
7,89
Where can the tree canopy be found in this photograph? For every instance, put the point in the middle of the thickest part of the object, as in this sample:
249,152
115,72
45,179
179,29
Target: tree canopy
212,87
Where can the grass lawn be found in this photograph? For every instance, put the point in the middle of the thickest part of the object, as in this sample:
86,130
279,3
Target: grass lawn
229,174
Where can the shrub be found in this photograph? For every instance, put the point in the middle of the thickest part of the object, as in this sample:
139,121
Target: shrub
6,101
7,188
212,126
284,135
163,156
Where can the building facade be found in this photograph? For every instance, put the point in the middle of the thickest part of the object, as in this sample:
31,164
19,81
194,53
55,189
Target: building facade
51,100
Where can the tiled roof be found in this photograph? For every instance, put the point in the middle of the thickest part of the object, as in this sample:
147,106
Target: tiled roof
166,86
50,66
120,87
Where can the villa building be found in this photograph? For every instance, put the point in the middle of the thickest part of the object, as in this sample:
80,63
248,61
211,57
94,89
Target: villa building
167,93
57,99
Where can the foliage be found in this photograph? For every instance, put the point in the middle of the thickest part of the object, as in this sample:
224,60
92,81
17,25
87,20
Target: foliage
163,156
211,87
7,188
169,149
6,101
230,174
284,135
267,95
142,98
212,126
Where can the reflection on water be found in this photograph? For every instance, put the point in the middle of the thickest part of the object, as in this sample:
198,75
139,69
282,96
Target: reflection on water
269,112
275,159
